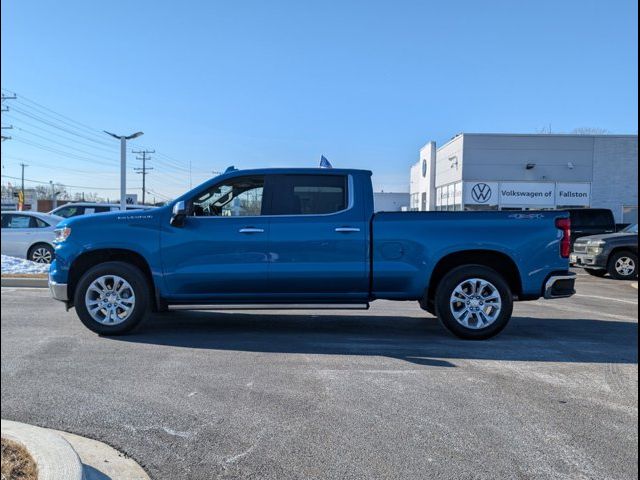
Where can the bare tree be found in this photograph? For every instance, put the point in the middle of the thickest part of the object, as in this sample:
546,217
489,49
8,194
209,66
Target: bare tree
590,131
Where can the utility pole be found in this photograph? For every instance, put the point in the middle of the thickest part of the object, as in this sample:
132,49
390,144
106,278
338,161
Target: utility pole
6,109
21,196
145,156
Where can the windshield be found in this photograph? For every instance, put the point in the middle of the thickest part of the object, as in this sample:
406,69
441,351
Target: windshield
633,228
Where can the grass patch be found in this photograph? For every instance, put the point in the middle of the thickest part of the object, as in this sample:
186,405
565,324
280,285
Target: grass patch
17,464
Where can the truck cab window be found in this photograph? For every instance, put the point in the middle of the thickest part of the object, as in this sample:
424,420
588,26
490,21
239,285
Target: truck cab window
309,194
237,197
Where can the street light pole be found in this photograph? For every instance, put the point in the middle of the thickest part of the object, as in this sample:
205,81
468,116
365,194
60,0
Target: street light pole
123,173
123,165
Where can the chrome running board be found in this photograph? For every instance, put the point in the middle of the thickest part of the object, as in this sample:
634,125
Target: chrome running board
274,306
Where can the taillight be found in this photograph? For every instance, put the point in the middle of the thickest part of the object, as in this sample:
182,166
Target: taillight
564,224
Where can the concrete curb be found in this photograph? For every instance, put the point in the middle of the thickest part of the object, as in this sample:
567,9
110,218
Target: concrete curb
63,455
634,285
101,461
54,456
24,282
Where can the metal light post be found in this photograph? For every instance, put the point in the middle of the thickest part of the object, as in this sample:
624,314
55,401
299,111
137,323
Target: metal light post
123,164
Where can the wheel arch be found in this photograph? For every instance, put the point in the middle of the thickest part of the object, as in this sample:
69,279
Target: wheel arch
92,258
498,261
623,248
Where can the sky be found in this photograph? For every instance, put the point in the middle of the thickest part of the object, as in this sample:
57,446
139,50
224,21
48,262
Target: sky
259,84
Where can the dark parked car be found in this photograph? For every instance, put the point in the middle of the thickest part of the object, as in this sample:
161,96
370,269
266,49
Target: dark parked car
616,254
591,221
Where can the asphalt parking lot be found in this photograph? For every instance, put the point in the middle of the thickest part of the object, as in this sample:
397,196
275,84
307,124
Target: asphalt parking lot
341,395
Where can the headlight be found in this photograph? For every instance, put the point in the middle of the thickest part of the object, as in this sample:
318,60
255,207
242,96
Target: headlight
595,248
61,234
594,243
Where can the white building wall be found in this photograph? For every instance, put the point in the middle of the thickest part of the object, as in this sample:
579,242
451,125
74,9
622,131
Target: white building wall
557,158
615,174
390,201
449,162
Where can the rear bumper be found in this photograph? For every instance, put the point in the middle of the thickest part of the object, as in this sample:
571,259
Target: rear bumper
560,285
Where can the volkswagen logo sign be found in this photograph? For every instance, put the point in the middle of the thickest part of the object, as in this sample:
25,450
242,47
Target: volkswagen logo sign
481,193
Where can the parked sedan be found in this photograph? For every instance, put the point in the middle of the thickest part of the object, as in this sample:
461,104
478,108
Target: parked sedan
29,235
615,254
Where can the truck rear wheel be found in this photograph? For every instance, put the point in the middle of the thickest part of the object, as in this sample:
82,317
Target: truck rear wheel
112,298
474,302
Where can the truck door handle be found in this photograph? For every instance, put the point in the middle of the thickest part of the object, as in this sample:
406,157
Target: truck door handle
347,229
251,230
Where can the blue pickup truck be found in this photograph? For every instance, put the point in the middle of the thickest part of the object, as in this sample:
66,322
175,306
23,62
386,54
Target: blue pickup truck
306,239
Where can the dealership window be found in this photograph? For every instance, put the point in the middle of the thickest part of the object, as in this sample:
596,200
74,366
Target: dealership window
630,214
415,201
449,198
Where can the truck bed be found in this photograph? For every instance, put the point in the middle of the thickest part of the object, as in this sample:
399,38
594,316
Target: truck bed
407,247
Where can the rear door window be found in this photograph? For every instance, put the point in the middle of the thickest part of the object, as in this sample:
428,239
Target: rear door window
307,194
19,221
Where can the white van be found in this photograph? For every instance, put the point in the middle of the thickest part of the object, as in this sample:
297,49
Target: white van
85,208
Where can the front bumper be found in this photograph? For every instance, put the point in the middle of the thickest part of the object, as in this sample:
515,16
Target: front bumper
58,291
586,260
560,285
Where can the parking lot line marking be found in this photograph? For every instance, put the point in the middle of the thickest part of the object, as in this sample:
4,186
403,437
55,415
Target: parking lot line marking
596,314
630,302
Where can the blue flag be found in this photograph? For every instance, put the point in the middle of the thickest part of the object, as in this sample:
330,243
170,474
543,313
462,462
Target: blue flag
324,163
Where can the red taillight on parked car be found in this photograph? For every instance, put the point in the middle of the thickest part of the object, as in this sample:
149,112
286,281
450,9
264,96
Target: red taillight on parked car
564,224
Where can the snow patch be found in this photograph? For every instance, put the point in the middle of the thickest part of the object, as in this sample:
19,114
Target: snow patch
13,265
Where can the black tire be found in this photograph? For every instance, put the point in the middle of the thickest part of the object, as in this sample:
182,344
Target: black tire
621,255
595,273
136,280
35,253
456,277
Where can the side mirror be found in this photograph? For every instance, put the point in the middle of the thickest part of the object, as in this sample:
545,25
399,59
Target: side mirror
178,214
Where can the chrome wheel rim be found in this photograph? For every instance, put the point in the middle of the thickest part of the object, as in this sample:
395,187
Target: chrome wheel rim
41,255
475,303
110,299
625,266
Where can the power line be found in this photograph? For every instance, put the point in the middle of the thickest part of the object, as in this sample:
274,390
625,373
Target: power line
64,184
45,130
55,151
64,144
38,106
64,129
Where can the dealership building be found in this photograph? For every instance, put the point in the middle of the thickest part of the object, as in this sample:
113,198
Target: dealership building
524,172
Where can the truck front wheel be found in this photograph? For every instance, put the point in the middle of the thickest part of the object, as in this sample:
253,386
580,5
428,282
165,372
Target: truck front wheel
474,302
112,298
623,265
